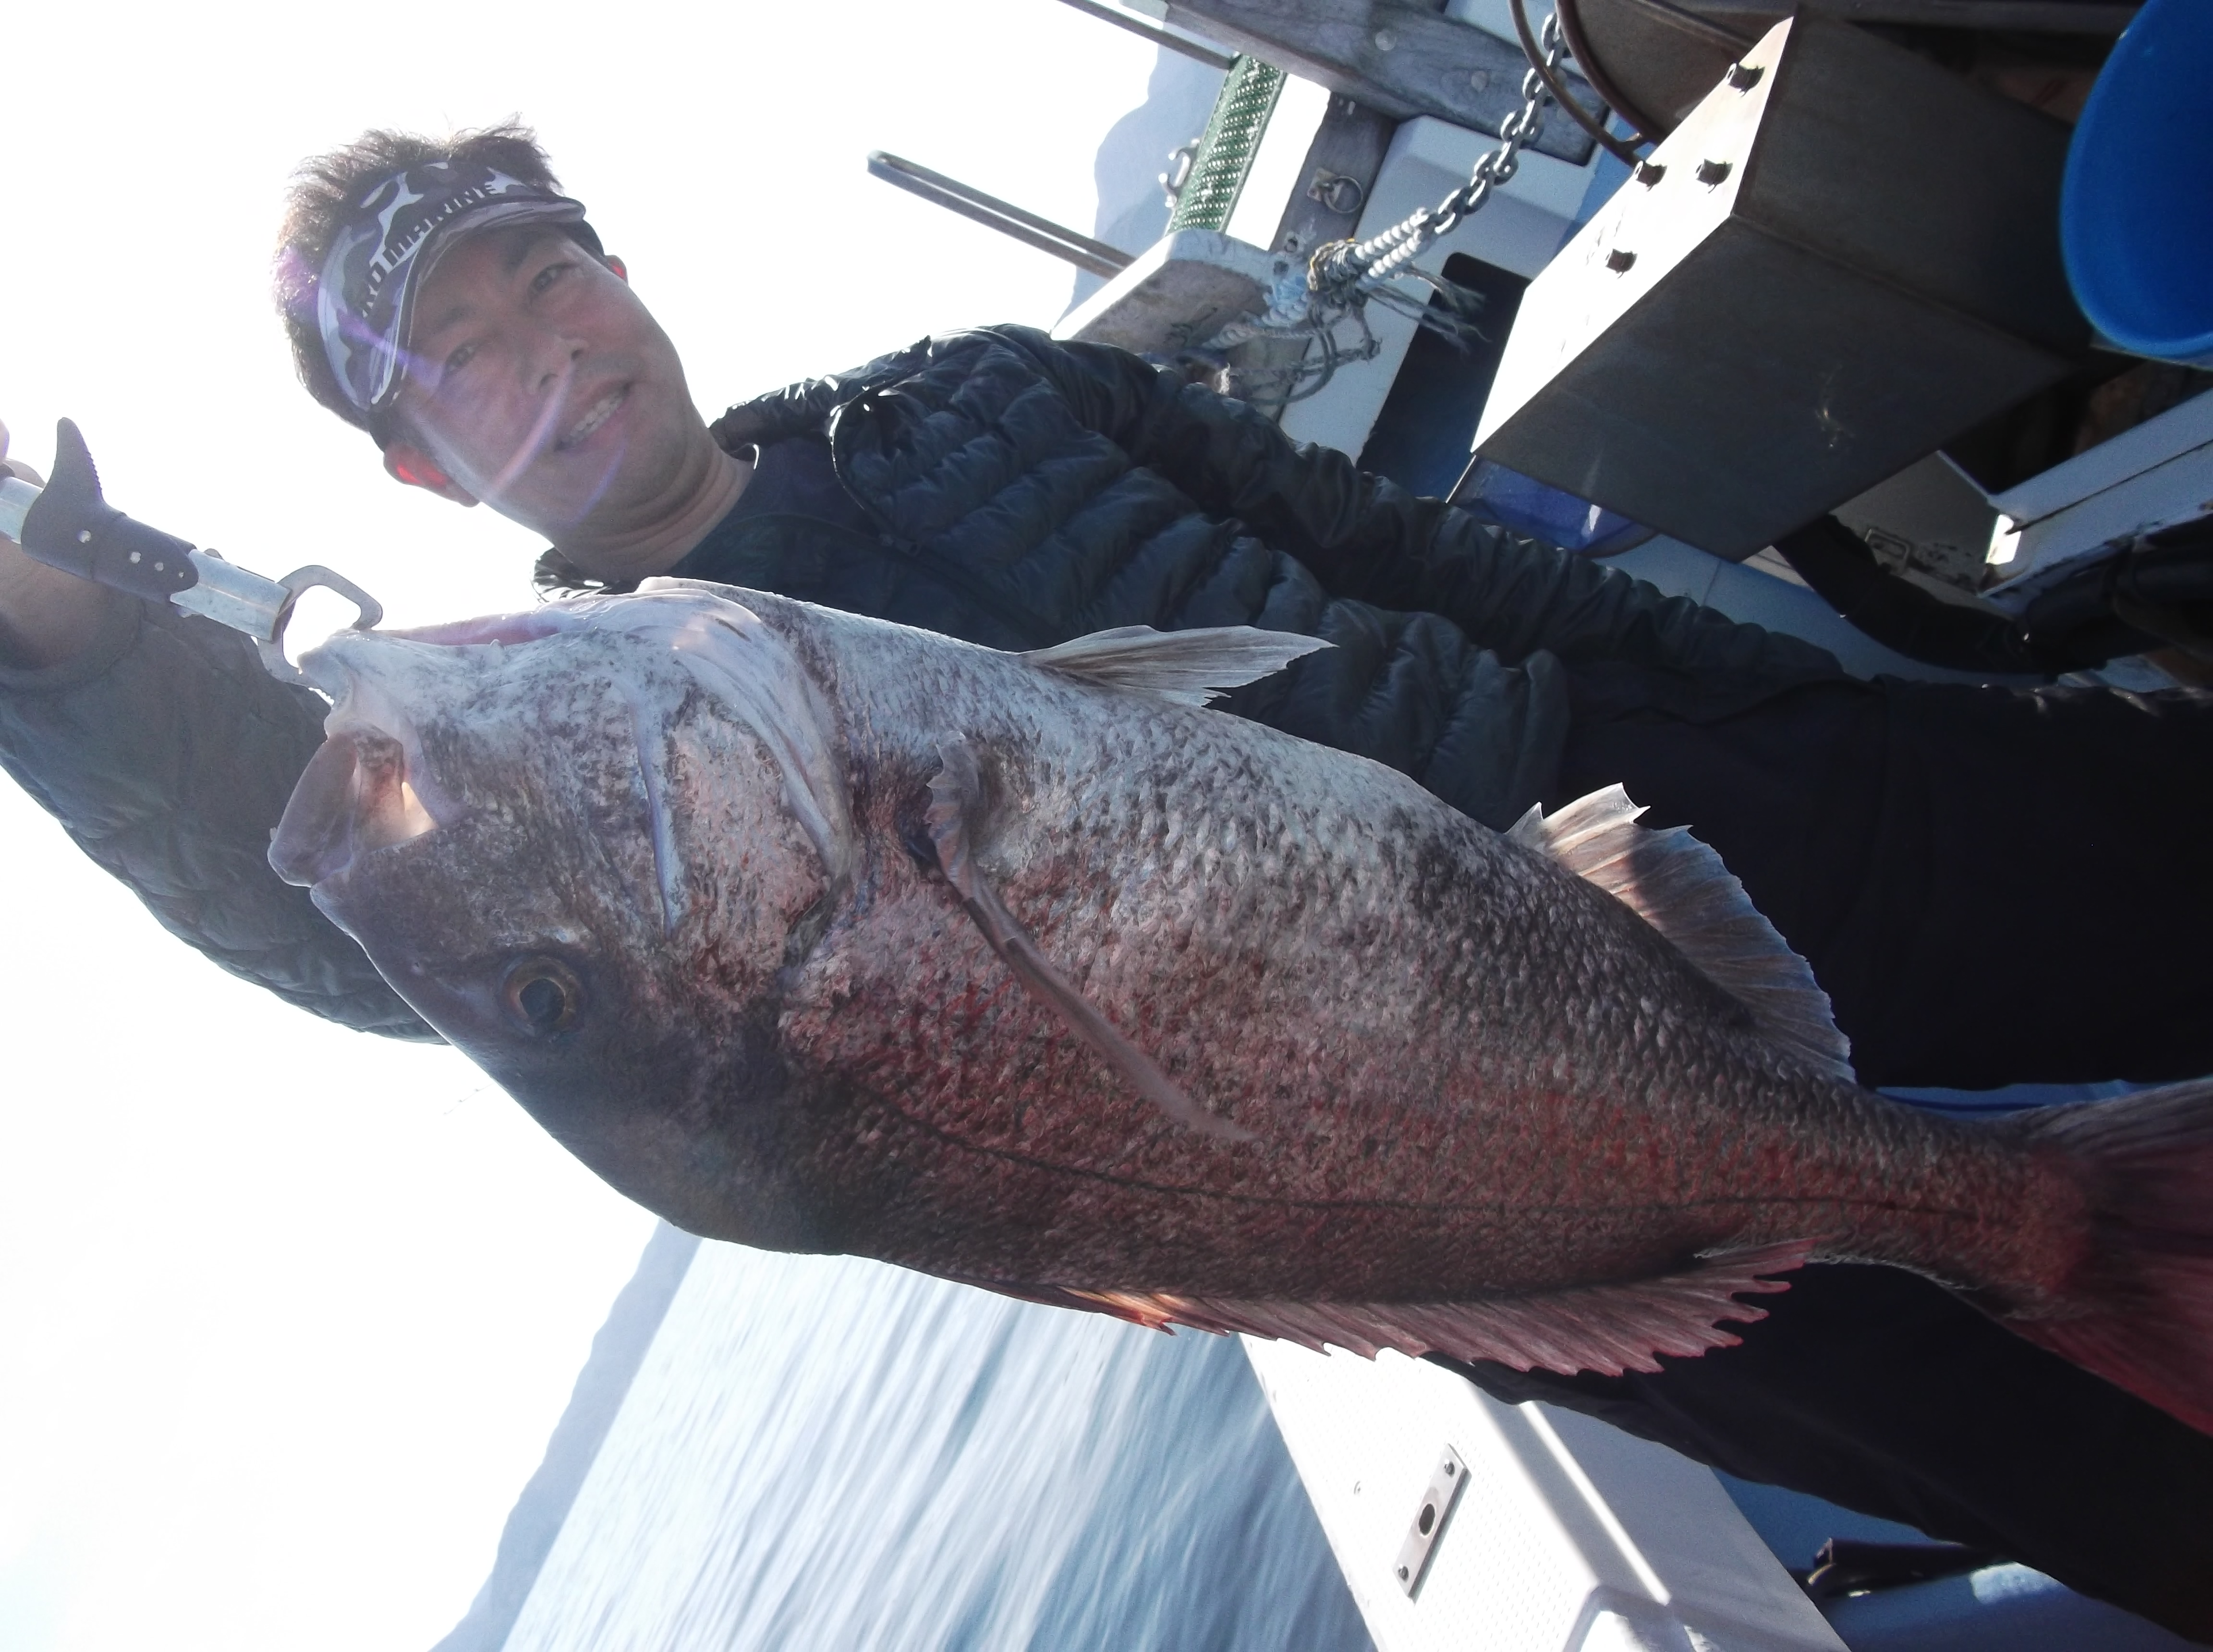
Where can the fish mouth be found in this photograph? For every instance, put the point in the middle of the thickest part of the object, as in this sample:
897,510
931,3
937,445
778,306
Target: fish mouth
366,787
353,797
594,418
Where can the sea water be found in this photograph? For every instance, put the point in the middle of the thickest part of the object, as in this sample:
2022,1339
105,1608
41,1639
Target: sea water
826,1453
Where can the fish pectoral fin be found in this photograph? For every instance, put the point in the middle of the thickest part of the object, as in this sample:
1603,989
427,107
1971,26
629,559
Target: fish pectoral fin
1192,667
1680,886
955,795
1609,1328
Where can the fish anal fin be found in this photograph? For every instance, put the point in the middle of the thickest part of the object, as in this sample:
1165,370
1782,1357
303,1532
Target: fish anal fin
1680,886
1607,1328
955,796
1192,667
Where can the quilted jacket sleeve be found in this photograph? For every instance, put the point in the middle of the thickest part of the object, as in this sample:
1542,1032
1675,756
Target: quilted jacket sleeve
1367,539
167,753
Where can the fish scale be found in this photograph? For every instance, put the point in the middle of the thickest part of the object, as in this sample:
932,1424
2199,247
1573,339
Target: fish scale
1360,996
814,932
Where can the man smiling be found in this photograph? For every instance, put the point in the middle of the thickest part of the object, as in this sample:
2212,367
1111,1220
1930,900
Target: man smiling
535,379
446,299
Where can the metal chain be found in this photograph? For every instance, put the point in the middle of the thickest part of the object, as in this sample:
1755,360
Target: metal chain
1343,276
1340,266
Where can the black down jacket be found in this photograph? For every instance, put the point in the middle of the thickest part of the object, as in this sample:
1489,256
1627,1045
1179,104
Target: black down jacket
1027,492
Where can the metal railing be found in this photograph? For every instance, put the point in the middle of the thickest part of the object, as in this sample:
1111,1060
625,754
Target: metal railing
990,210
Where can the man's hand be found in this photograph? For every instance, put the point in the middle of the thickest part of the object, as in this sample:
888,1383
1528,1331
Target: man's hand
45,615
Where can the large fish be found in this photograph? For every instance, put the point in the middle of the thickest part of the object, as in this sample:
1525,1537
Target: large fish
820,934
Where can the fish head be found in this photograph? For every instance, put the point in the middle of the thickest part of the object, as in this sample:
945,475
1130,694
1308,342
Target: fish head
583,843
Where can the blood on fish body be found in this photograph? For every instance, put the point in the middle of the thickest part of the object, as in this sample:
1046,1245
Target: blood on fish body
816,933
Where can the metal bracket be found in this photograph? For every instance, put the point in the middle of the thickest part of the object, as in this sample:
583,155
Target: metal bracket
1339,192
1439,1498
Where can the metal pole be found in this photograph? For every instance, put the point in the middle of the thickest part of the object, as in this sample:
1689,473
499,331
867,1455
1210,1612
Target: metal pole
1153,32
1043,233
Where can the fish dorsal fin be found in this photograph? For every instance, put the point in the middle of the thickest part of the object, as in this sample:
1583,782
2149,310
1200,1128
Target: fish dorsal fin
1680,886
1608,1328
1192,667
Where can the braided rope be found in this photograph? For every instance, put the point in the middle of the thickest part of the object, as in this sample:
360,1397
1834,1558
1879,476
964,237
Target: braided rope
1343,277
1340,267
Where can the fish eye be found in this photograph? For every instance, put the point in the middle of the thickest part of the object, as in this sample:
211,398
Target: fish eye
542,994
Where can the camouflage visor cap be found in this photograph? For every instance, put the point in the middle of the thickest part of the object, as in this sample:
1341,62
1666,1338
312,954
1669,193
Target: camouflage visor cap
386,248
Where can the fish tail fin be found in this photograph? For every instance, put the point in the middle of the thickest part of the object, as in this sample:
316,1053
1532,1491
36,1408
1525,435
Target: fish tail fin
2138,1310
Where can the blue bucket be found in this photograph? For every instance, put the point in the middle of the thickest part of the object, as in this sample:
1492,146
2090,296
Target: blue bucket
2135,215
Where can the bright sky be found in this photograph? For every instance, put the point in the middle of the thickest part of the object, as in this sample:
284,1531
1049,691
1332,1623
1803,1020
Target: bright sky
289,1311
